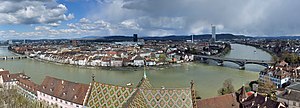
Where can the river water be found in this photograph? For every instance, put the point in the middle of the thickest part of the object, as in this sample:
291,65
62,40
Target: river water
208,78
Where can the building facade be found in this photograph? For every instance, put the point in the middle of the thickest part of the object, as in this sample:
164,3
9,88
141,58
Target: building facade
27,88
62,93
278,76
291,96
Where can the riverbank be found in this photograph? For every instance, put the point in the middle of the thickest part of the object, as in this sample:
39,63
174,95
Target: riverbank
114,68
274,56
225,51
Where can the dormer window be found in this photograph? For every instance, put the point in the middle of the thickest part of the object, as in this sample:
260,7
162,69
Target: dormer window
51,89
64,94
44,87
73,89
52,83
75,97
62,81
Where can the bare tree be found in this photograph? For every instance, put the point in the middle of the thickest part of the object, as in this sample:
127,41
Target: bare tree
227,87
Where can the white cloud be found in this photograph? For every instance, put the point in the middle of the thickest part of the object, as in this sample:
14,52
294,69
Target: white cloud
84,20
41,28
71,25
130,24
54,24
32,12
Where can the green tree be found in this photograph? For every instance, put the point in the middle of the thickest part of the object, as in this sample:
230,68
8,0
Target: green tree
291,58
227,87
162,57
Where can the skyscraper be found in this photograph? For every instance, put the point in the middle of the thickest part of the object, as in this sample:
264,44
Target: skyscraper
192,38
135,37
213,33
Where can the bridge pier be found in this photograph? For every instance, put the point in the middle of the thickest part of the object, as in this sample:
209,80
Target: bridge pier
242,66
203,60
220,63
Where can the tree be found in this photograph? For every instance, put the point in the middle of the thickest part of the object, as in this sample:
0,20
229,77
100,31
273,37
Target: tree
162,57
290,57
227,87
267,87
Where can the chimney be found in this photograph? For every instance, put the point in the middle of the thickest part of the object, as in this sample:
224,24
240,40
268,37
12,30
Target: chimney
255,94
266,99
289,91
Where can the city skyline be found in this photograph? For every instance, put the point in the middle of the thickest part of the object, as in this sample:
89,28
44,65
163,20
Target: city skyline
33,19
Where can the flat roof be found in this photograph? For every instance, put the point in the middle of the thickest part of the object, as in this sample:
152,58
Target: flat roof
295,87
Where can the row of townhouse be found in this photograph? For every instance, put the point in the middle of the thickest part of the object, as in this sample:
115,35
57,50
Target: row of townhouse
149,59
66,94
53,91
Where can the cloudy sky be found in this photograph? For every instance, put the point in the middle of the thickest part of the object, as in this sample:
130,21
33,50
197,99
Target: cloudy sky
36,19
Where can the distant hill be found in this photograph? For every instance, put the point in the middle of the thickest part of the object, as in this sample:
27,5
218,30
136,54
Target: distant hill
279,37
197,37
172,37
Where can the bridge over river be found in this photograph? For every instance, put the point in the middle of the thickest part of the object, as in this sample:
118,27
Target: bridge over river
240,62
12,57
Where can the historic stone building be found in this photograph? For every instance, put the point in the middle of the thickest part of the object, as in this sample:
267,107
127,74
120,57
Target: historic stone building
141,96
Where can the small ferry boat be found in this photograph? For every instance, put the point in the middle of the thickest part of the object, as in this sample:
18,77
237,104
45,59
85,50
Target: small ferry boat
129,84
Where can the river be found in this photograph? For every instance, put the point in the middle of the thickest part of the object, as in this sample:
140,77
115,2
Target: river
208,77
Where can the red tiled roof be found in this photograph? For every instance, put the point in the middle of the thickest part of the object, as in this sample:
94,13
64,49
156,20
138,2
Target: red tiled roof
224,101
4,72
106,59
13,77
66,90
255,101
111,52
28,85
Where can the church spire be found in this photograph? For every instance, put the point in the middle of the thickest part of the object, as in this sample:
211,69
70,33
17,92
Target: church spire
145,75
